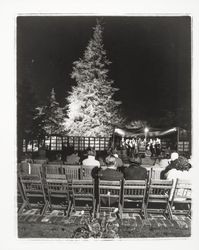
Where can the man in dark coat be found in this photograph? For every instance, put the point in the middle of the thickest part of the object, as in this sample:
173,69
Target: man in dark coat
110,173
135,171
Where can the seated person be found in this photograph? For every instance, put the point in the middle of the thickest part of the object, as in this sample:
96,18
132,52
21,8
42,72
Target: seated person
58,159
73,158
180,170
171,164
41,158
110,173
135,171
119,162
25,166
91,161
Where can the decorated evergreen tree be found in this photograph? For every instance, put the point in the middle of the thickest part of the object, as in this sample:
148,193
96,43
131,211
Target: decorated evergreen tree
92,111
49,119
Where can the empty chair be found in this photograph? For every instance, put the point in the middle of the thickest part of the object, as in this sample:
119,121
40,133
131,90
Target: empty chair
52,169
158,197
83,195
29,168
58,193
109,193
85,173
181,199
72,172
34,193
133,198
21,202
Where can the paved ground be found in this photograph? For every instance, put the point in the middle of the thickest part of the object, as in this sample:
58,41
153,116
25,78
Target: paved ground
55,225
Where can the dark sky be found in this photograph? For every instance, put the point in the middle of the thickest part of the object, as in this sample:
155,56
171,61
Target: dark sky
151,59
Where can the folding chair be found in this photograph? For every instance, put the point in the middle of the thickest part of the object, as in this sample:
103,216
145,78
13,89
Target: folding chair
85,172
109,196
72,172
52,169
21,201
29,168
83,195
134,193
181,196
158,196
58,193
34,193
155,173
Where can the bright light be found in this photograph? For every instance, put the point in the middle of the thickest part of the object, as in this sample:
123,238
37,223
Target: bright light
146,130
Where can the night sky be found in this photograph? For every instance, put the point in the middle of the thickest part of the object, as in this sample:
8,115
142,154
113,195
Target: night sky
151,60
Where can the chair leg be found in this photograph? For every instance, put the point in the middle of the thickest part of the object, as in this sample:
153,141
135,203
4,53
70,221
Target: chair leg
120,211
69,208
168,208
22,207
145,215
98,211
44,208
94,207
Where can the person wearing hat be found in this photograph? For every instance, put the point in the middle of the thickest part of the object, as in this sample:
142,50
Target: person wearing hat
110,173
119,162
135,171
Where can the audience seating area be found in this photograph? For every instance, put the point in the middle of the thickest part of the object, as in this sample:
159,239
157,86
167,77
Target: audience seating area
69,187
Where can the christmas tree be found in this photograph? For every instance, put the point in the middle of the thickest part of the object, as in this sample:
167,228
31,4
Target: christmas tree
49,119
91,109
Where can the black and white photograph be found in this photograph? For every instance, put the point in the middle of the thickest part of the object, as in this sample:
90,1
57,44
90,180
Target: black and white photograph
104,126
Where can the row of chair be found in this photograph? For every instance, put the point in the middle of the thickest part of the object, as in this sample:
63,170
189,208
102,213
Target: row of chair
56,191
73,172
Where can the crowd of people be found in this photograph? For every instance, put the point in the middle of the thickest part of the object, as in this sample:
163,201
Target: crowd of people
135,145
107,164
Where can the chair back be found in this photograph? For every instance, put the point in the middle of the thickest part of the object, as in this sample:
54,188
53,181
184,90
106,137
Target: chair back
182,191
56,176
72,172
159,190
52,169
57,187
134,189
109,195
85,172
182,196
32,186
83,191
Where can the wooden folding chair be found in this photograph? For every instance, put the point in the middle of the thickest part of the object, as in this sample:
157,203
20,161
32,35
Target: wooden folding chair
52,169
72,172
34,193
85,172
21,201
83,195
181,196
134,193
29,168
58,193
109,193
158,197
